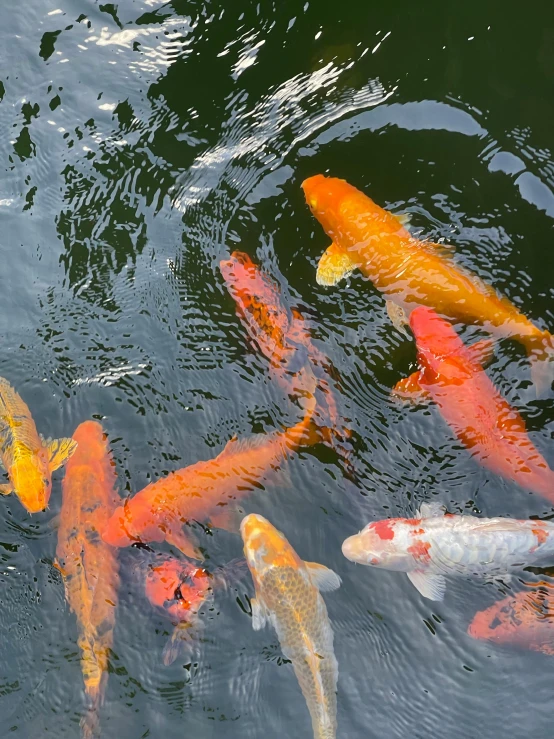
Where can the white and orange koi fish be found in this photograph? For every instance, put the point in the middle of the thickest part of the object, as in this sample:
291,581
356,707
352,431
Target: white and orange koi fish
435,545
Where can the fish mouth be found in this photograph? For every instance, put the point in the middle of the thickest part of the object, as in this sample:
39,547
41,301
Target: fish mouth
352,549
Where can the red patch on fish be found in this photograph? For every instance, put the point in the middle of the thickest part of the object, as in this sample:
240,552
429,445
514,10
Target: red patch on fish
417,532
383,529
541,536
420,550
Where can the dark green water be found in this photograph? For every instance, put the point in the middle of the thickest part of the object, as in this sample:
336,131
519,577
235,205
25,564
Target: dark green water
143,141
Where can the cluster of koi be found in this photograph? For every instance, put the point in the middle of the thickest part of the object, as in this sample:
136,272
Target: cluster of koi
417,279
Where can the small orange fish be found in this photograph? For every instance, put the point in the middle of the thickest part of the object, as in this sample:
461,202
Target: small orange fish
525,620
179,589
283,336
26,457
89,567
205,491
411,272
452,376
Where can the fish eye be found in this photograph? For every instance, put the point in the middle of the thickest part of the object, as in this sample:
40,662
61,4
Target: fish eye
45,482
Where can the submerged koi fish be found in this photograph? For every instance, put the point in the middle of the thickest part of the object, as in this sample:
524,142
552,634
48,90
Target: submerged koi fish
26,457
525,620
205,491
411,272
179,589
434,545
288,596
283,336
88,566
451,375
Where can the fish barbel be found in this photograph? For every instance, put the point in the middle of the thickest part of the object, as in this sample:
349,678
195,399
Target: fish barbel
434,545
26,457
206,491
412,272
89,566
283,337
452,375
288,596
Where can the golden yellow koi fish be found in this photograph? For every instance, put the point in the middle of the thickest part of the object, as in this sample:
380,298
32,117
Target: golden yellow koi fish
411,272
287,595
27,458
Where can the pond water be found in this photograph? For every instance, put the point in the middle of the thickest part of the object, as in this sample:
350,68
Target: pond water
142,142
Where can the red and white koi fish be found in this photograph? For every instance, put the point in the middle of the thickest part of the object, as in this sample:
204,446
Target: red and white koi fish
432,546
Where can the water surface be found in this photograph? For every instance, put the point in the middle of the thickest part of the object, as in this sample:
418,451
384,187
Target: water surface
142,141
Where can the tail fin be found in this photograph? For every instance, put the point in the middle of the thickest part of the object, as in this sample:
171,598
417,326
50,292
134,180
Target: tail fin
90,723
540,350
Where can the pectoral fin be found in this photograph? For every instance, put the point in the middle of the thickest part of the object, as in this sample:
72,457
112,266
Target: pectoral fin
260,615
322,577
6,489
227,517
409,389
431,510
335,265
429,585
60,450
186,543
182,641
398,317
482,351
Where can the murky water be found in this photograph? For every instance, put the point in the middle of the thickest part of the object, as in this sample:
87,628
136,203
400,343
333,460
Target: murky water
142,141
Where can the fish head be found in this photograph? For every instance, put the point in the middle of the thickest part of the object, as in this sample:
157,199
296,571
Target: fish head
177,587
440,349
91,442
32,481
264,546
255,293
380,544
328,198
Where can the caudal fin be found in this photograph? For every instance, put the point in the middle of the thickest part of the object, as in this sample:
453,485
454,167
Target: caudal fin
540,350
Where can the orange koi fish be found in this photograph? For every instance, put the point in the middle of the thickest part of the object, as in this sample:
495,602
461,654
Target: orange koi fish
452,376
411,272
26,457
179,589
525,620
89,567
205,491
283,336
288,597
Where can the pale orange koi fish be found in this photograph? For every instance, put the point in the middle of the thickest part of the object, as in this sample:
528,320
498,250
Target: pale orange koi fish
288,597
89,566
525,620
412,272
26,457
